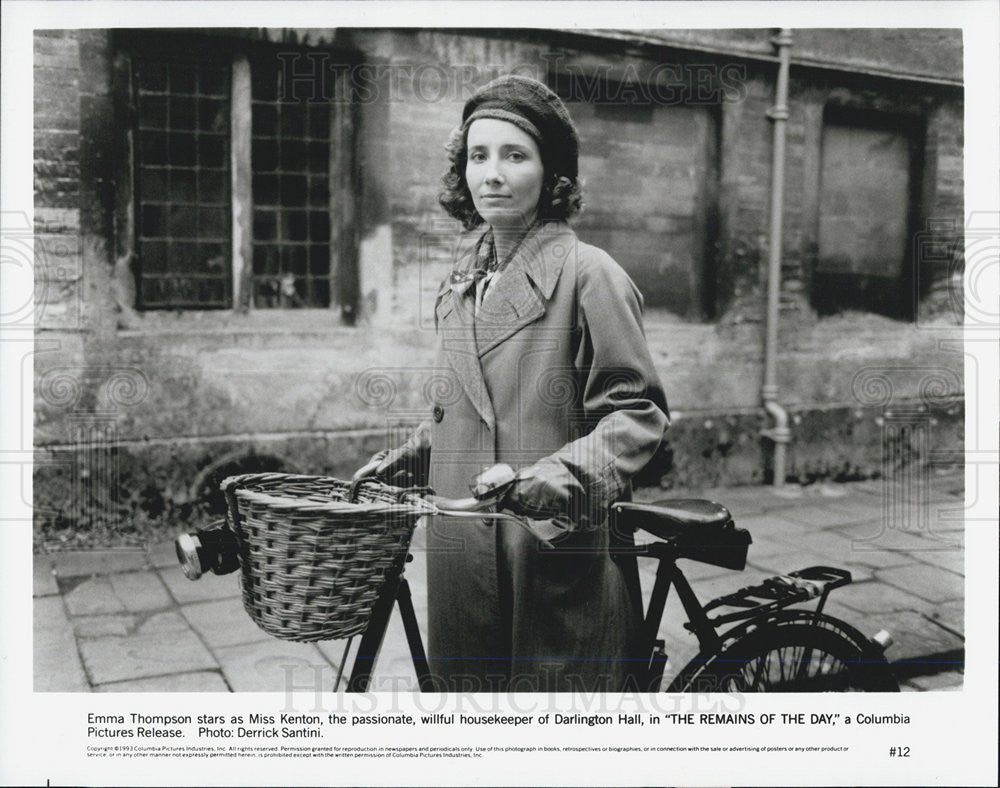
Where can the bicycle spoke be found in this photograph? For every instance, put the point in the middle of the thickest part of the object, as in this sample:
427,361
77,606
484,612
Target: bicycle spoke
782,664
763,669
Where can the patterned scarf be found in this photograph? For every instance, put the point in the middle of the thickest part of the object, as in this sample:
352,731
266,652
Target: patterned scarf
485,263
485,266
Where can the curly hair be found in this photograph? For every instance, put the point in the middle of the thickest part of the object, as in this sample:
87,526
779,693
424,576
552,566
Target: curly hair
561,197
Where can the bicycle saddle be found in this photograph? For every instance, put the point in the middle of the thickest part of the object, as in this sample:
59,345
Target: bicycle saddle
699,530
669,517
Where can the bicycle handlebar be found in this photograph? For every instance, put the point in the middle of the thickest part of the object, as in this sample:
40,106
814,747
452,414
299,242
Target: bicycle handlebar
472,509
469,504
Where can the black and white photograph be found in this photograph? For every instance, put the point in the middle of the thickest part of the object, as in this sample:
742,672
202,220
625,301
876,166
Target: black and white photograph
636,369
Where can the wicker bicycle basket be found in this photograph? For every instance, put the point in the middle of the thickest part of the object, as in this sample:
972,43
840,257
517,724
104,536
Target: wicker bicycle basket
315,552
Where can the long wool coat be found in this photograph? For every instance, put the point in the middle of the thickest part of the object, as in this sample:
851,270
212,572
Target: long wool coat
552,373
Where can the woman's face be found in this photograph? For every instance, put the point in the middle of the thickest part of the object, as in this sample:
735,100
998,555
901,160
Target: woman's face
504,173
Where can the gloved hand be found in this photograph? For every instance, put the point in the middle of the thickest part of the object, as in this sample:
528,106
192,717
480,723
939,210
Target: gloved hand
394,466
537,492
494,482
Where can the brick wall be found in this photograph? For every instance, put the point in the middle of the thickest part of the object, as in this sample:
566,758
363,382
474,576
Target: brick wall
57,180
166,399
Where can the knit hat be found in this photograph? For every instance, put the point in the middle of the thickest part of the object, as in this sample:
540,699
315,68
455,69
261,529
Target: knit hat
534,109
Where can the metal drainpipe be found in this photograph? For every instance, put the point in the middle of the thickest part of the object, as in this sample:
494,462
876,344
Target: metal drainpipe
779,433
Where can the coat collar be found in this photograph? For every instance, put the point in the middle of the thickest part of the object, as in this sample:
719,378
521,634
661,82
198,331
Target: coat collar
543,253
514,300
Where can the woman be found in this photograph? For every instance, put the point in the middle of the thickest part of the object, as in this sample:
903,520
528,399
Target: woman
541,337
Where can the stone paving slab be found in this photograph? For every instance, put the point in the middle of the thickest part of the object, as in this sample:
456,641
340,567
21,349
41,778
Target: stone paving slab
680,644
950,560
874,560
98,562
870,543
943,542
274,665
711,587
740,501
828,543
56,665
140,591
137,656
942,517
766,546
951,615
947,680
868,559
102,626
89,627
874,536
333,652
945,494
162,555
164,621
783,563
693,570
394,669
802,495
913,636
93,596
765,527
395,673
48,613
925,581
207,588
43,577
150,629
810,518
199,681
860,621
773,526
948,522
853,509
939,490
877,597
223,622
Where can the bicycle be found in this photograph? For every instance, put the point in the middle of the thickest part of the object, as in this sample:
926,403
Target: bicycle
772,648
769,648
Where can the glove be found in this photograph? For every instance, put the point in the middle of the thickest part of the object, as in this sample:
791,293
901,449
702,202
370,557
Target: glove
493,482
395,466
533,493
406,466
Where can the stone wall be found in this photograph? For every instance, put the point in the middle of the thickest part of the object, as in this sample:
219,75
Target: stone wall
137,413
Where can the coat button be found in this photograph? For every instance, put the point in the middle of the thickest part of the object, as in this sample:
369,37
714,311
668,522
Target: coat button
438,413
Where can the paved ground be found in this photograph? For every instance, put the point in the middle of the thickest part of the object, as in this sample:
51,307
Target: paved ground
128,620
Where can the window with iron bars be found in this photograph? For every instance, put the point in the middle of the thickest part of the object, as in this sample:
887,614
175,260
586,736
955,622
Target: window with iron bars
290,154
220,140
182,183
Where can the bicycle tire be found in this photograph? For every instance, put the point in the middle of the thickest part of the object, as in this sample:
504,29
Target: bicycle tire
768,656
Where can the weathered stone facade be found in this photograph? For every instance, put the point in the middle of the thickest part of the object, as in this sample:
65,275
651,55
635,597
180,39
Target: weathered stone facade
139,411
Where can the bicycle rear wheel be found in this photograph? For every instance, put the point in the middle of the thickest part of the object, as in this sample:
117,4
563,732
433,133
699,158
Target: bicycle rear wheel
792,652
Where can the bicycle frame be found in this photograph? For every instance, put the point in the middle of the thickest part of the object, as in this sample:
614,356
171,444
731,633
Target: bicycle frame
691,529
774,594
396,592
